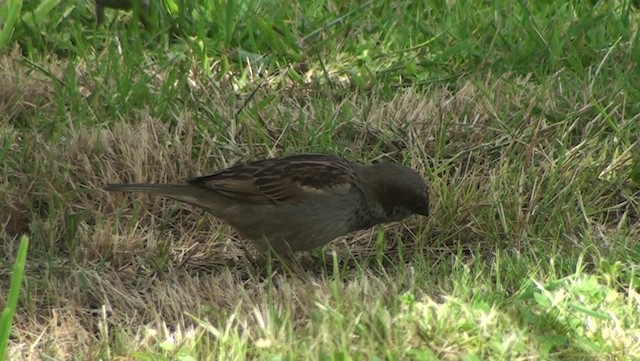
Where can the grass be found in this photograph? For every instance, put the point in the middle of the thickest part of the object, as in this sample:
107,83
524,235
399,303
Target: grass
522,117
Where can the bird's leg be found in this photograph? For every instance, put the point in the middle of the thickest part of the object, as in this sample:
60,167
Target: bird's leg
253,261
289,263
99,12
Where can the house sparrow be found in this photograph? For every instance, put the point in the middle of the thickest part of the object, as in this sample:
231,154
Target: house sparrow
300,202
119,5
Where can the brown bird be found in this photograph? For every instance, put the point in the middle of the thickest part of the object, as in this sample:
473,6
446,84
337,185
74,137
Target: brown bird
300,202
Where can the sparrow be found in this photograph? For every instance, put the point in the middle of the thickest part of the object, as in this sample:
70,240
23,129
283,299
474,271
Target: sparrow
300,202
119,5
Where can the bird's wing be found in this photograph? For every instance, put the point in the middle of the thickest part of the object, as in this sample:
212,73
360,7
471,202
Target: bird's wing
282,180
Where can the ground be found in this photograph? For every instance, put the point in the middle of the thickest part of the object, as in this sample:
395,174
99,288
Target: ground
522,118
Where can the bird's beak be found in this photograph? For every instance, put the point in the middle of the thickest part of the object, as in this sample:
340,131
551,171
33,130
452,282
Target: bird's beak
423,211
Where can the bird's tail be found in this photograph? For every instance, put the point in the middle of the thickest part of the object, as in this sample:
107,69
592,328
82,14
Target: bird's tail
163,189
181,192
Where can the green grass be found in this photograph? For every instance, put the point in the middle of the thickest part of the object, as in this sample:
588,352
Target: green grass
522,117
11,303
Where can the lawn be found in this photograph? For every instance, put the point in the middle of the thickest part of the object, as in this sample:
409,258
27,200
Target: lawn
523,117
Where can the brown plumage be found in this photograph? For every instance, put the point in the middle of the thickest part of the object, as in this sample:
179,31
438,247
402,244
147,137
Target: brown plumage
300,202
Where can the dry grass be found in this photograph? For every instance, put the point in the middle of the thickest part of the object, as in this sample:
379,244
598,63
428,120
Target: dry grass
109,273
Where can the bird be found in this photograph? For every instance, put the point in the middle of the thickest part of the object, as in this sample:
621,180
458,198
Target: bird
300,202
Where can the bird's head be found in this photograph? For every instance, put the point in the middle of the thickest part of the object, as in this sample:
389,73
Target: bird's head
400,190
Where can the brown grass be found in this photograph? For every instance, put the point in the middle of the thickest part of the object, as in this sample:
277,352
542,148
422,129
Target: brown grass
105,267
